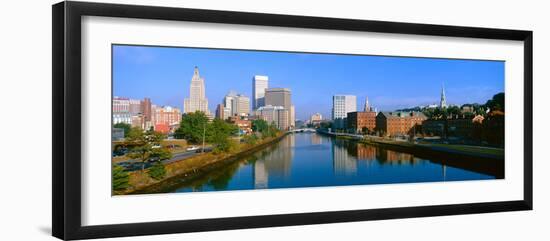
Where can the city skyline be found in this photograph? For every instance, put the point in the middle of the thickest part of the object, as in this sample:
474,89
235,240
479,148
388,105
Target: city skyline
163,74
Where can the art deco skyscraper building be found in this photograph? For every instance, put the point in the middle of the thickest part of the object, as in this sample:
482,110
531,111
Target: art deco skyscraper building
197,100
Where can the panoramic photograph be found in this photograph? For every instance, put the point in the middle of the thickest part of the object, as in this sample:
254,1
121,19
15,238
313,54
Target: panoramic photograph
199,119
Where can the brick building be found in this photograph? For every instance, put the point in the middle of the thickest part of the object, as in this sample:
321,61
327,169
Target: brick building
358,120
399,123
244,125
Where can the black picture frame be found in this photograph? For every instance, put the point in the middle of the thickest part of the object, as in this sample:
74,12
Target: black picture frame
66,122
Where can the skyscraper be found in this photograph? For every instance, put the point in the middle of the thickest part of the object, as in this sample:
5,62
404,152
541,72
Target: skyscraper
281,97
237,104
341,106
278,97
443,101
259,84
197,100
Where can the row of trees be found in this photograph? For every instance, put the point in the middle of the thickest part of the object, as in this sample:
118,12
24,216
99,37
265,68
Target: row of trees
494,104
196,129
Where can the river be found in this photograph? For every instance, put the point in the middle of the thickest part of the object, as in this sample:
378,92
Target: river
313,160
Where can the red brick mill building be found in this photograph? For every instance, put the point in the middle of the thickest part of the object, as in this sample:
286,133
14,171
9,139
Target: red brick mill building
359,120
399,123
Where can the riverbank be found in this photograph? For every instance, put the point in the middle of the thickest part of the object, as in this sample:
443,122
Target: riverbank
480,159
190,168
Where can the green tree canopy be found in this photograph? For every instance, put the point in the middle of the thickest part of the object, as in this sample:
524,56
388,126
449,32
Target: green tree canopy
192,127
219,132
496,103
126,127
259,125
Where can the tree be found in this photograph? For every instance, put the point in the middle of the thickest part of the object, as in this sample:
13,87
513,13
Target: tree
218,133
157,171
146,145
272,130
191,127
365,130
120,178
453,111
126,127
496,103
259,125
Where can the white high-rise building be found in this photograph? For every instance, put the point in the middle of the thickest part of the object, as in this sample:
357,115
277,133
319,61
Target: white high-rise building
341,106
197,100
259,84
292,117
237,104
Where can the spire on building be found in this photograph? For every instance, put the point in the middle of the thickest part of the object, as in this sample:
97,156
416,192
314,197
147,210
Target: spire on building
443,101
196,72
367,106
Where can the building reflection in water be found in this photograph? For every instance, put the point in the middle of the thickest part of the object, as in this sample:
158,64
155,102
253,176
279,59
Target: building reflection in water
316,140
274,161
396,158
343,163
370,154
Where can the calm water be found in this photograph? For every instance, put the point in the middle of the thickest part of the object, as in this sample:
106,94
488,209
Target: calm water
311,160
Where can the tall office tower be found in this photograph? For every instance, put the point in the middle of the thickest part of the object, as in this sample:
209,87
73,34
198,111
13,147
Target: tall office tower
237,104
197,100
292,115
281,97
278,97
259,84
220,112
341,106
243,105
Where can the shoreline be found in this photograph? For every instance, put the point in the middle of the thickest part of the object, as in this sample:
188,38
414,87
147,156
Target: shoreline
177,172
488,164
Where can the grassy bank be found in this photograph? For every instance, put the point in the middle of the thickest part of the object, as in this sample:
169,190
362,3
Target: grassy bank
476,151
188,168
484,160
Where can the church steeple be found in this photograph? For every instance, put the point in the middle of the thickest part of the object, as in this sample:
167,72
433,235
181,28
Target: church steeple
443,101
367,106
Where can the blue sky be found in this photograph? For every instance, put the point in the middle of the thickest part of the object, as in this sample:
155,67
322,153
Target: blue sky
164,74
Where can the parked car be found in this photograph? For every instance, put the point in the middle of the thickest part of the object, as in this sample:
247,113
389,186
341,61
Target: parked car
200,150
154,159
120,152
192,148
